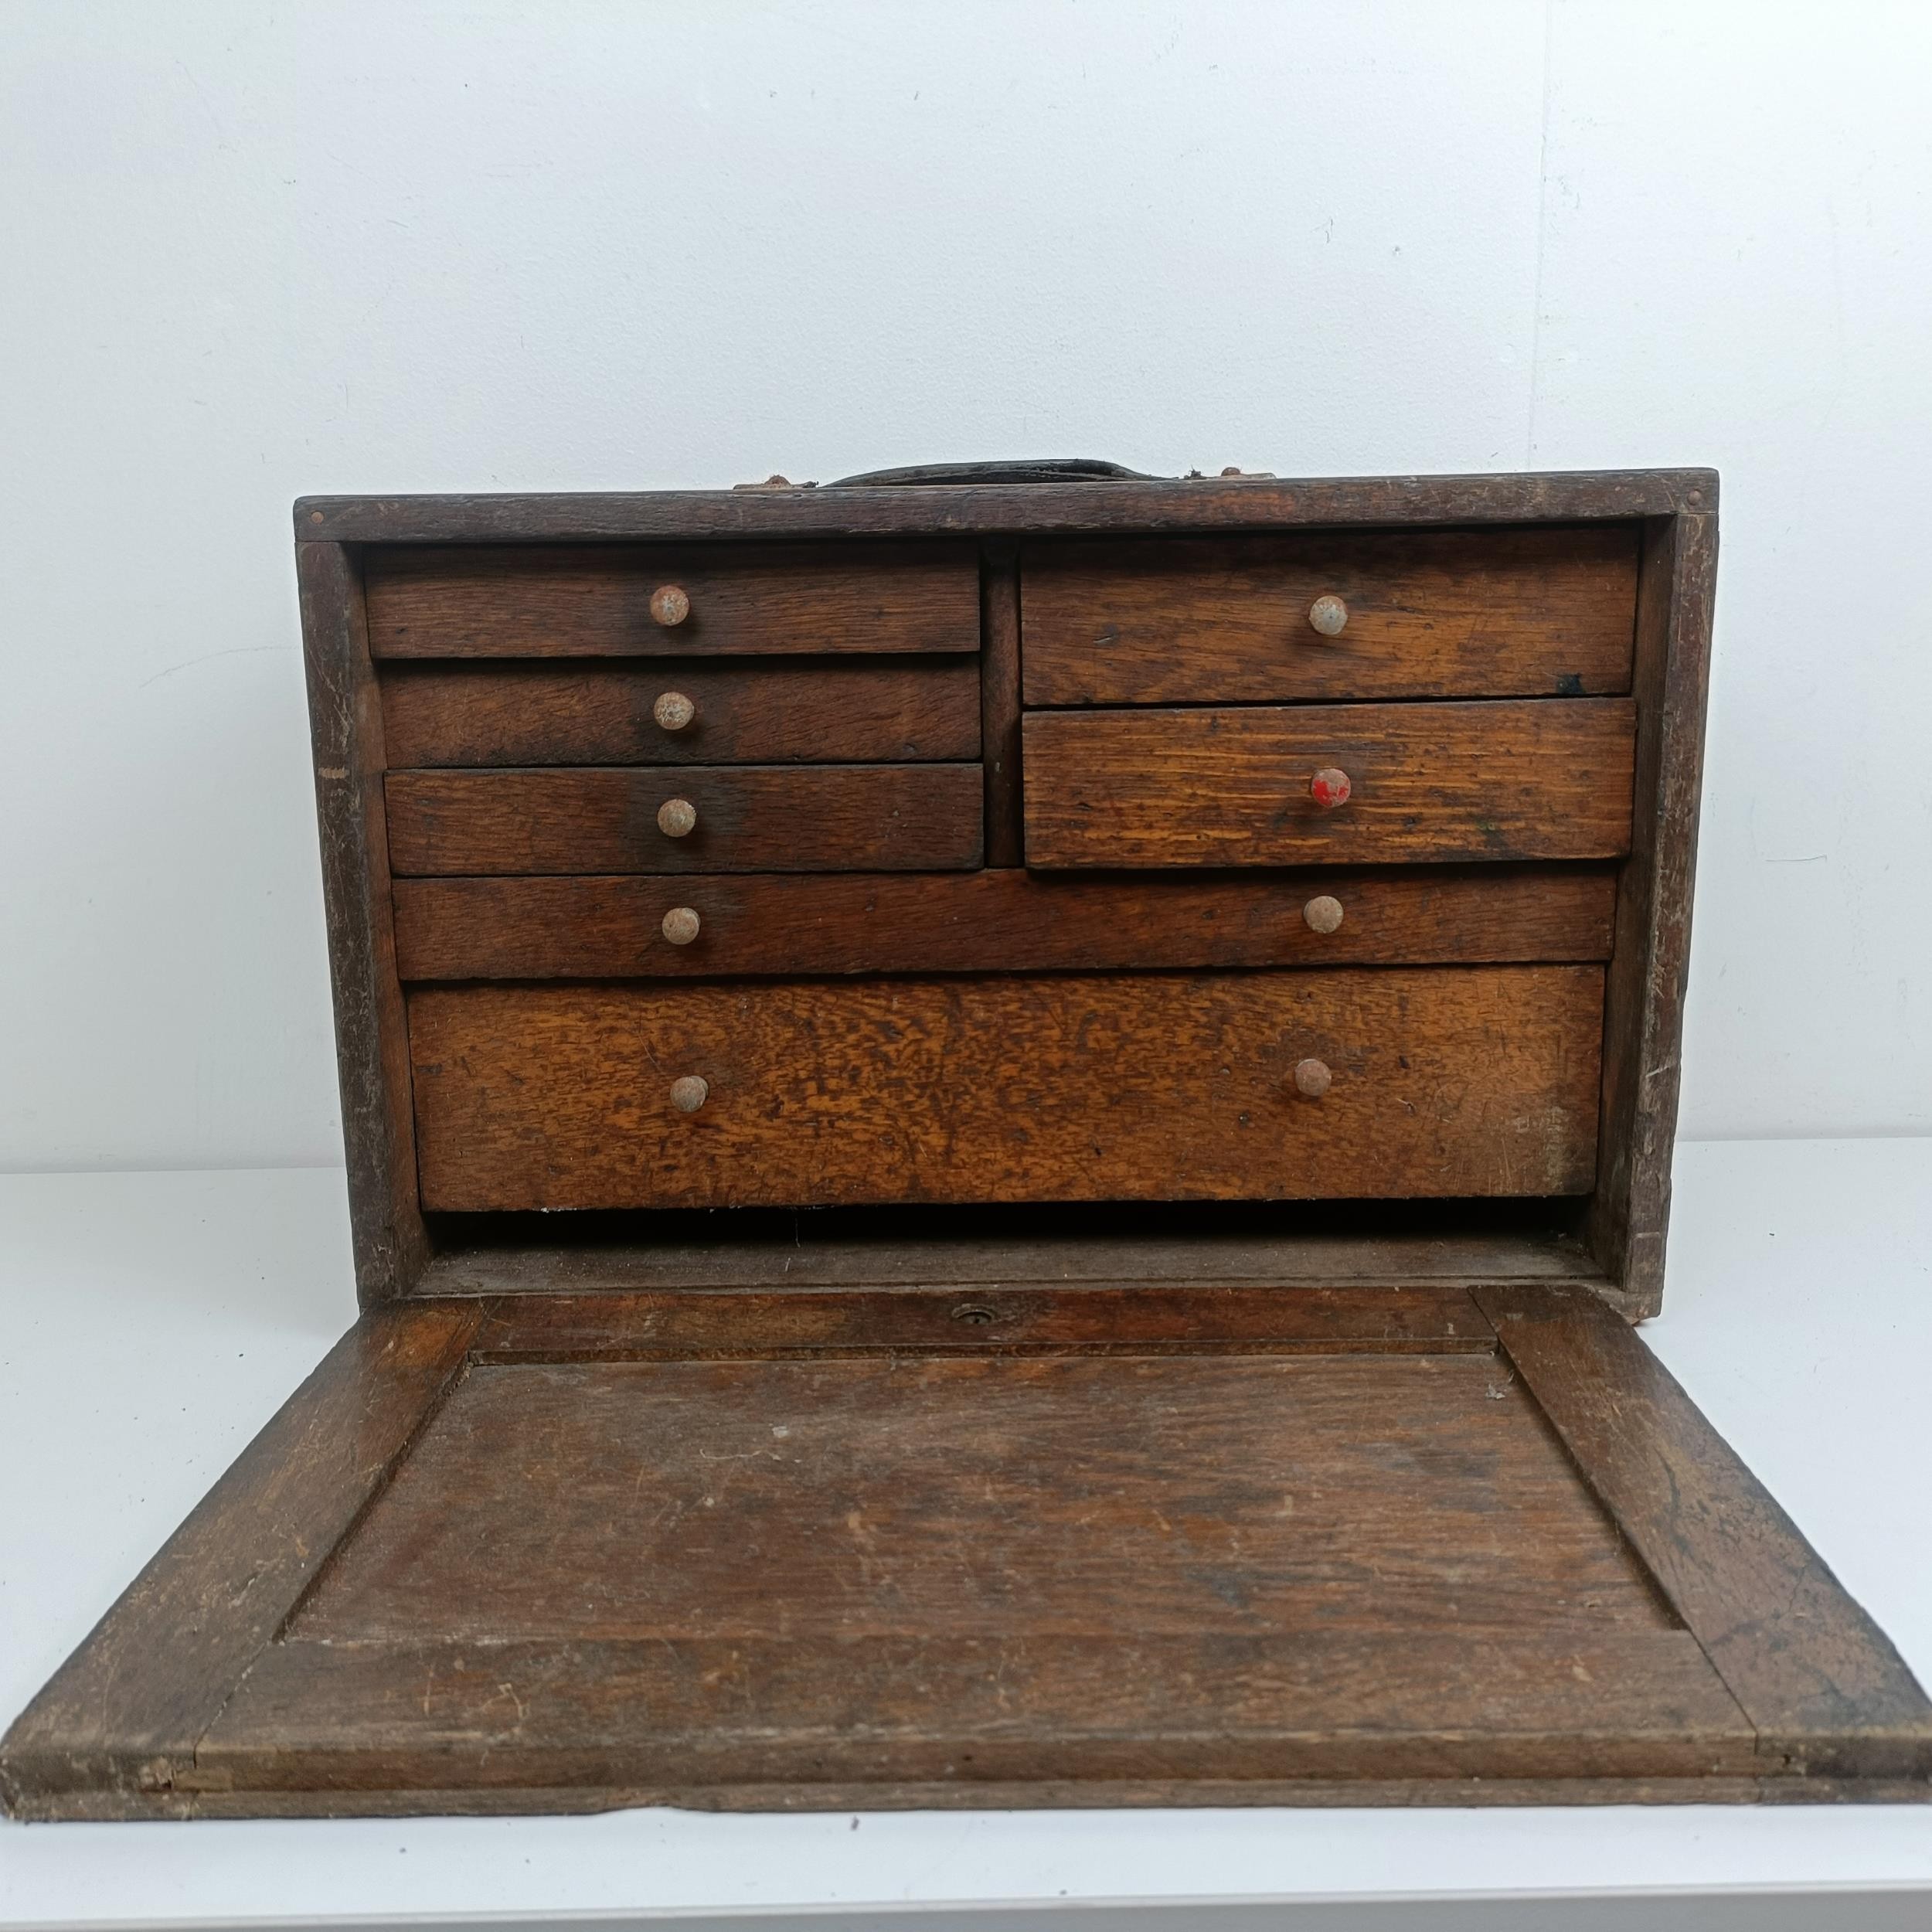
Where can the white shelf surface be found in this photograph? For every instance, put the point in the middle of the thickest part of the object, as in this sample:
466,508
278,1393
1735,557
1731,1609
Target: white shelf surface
152,1322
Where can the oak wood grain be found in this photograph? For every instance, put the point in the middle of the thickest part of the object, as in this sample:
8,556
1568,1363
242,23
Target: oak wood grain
1823,1686
1426,1317
1445,614
372,1055
123,1714
833,1500
603,818
1378,1247
1644,1020
1002,921
1000,689
1180,504
595,601
1548,778
988,1719
811,711
1448,1081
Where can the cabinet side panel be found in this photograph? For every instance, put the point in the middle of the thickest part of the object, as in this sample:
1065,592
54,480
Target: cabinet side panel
1644,1009
372,1048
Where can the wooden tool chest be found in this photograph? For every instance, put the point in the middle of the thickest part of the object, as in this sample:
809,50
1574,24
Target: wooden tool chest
1003,1129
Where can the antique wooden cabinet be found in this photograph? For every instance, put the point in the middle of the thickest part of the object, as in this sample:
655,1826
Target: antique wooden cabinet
1003,1129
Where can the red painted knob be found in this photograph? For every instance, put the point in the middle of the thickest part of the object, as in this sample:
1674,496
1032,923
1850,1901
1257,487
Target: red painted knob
1329,787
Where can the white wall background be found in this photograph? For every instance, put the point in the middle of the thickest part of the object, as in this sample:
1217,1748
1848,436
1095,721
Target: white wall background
253,250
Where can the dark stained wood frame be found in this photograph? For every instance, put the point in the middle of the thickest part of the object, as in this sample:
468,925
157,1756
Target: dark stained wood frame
148,1719
177,1704
1623,1222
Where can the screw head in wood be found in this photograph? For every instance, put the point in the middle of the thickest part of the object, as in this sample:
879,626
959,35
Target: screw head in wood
1329,787
669,605
681,925
1322,914
673,711
677,817
1312,1078
1329,614
689,1092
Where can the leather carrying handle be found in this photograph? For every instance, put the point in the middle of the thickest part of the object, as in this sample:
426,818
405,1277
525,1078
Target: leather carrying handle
1046,469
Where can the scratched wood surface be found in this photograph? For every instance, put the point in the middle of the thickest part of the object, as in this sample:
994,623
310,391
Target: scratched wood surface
603,818
1446,1081
1531,778
814,711
938,1499
988,922
1447,614
518,601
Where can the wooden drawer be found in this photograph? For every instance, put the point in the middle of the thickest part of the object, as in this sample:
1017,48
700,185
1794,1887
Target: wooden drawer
859,711
791,926
748,818
1448,613
1443,1081
602,600
1528,779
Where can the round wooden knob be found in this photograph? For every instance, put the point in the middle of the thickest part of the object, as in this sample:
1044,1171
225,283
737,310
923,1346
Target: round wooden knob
1322,915
1311,1077
1329,787
673,711
681,925
669,605
1329,614
677,817
689,1092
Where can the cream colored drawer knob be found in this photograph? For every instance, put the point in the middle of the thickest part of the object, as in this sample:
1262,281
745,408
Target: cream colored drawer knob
669,605
1330,787
1312,1078
681,925
1329,614
677,817
689,1093
1322,915
673,711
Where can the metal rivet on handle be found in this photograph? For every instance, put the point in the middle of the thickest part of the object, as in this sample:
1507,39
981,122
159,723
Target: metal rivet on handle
681,925
689,1093
1323,914
673,711
677,817
669,605
1312,1078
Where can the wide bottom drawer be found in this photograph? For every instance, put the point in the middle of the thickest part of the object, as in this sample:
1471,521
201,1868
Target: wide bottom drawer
1368,1082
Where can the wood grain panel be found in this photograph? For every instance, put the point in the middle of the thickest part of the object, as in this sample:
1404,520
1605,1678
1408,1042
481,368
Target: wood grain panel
1525,779
1160,504
1447,1081
749,818
122,1716
1442,614
810,711
986,922
990,1718
1824,1684
1036,1497
1422,1318
510,600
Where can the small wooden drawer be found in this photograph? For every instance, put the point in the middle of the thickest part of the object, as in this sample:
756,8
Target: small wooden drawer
736,818
792,926
851,712
1525,779
624,601
1450,613
1394,1081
